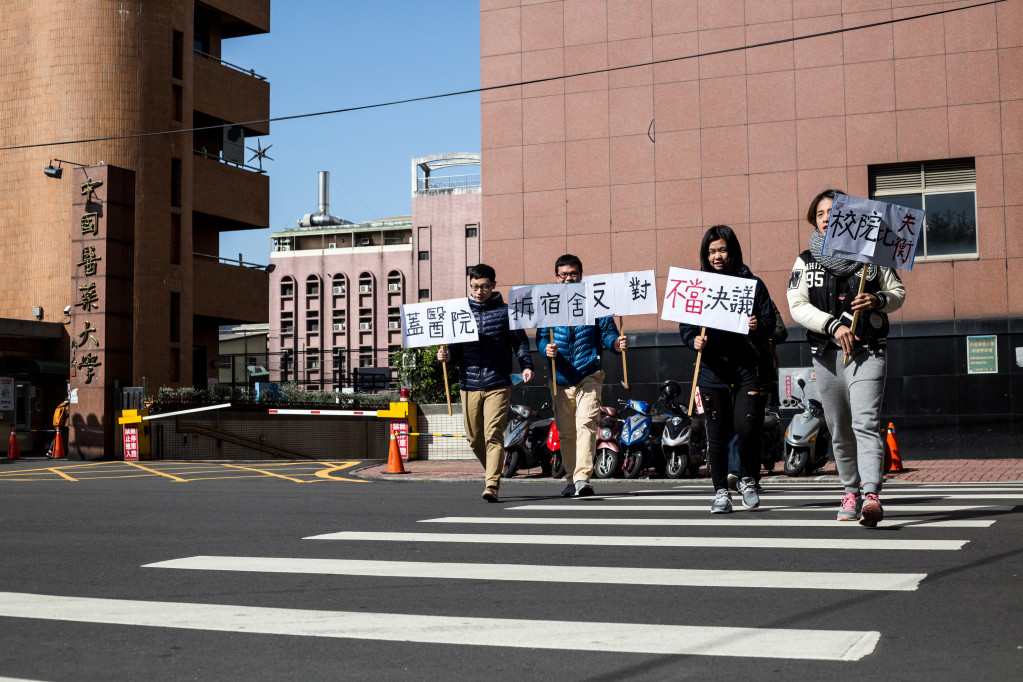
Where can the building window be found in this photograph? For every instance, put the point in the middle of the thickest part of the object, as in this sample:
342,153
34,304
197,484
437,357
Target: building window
946,191
287,289
312,325
312,287
224,362
424,294
175,239
312,362
365,361
424,255
175,186
175,317
287,327
471,231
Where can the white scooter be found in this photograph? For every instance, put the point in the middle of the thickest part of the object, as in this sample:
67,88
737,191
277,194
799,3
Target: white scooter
807,439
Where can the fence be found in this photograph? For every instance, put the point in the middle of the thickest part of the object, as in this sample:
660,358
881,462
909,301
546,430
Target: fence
345,370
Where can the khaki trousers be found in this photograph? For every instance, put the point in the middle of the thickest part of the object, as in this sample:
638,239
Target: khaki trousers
485,414
576,412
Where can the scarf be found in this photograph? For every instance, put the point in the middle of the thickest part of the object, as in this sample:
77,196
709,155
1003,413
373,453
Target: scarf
839,267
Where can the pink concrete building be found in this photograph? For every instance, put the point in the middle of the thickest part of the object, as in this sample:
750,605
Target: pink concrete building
336,286
919,103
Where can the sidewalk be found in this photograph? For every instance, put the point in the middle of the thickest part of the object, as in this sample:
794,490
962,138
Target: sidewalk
916,471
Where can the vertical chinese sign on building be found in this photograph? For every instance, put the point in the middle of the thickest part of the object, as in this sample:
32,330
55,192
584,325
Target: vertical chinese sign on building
102,266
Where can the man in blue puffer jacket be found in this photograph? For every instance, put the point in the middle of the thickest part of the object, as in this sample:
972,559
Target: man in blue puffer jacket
484,367
577,362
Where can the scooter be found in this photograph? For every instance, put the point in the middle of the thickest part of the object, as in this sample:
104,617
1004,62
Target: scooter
554,448
771,453
640,438
683,442
807,439
524,438
608,458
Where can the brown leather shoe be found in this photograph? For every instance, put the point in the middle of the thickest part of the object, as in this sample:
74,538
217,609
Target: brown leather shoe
490,494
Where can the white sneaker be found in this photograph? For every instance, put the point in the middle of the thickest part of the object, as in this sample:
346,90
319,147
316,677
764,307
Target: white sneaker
748,490
722,502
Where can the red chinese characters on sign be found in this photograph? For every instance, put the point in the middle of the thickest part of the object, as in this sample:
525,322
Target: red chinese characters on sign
399,427
691,294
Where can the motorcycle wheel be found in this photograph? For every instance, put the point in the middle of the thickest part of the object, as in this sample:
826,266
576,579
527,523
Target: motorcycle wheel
607,463
557,465
677,464
632,464
796,461
511,462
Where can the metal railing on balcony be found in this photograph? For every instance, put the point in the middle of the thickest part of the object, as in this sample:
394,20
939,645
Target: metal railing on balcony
229,261
248,72
449,182
215,157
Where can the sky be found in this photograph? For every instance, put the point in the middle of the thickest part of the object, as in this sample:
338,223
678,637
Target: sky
331,54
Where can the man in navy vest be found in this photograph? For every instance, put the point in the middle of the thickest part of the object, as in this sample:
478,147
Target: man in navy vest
577,363
484,369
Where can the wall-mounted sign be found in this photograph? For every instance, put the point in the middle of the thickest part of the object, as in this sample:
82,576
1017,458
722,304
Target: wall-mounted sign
982,354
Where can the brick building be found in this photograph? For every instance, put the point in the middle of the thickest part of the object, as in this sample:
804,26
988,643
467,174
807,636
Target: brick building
628,168
110,69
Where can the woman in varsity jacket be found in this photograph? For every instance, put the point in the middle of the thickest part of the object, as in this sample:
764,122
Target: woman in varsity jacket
823,297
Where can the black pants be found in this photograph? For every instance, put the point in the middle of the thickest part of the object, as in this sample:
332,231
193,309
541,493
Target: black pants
729,411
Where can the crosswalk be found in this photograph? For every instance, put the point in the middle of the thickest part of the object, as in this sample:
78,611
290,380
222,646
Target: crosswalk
614,534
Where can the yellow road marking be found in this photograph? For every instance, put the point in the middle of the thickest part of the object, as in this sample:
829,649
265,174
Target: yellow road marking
62,474
154,471
325,473
286,478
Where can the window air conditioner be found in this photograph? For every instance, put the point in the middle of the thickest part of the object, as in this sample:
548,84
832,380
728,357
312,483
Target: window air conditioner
394,324
364,241
338,289
339,326
394,286
332,245
365,288
365,325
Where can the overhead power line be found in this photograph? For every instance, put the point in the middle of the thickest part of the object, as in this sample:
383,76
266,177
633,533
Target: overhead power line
293,117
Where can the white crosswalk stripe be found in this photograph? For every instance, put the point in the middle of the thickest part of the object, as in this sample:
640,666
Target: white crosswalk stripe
734,520
703,508
666,577
820,645
745,542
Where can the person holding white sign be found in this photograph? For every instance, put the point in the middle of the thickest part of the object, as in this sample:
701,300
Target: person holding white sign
824,297
484,367
729,380
577,360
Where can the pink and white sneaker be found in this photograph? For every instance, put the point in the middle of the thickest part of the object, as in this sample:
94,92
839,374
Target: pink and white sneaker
850,509
872,511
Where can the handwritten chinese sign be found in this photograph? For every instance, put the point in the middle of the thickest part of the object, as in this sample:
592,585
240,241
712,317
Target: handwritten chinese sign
707,299
547,305
437,322
620,293
873,232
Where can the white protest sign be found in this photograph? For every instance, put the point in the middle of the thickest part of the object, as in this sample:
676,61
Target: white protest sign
547,305
707,299
873,232
621,293
428,324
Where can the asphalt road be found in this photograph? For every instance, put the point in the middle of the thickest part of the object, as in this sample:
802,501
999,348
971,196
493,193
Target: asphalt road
81,598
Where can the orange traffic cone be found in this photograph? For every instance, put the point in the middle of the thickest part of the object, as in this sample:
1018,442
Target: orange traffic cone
893,446
59,452
394,463
12,449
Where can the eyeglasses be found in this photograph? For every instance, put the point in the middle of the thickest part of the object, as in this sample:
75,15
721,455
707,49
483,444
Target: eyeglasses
568,275
480,287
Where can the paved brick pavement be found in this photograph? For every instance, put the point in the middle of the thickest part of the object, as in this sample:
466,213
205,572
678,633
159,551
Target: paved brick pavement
922,471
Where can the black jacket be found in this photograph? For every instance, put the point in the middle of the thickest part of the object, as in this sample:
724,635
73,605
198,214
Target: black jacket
485,364
730,356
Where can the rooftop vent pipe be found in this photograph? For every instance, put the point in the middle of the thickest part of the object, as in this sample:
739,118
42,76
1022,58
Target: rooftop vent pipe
322,216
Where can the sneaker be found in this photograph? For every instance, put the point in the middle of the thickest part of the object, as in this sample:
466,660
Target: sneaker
733,481
490,494
850,509
872,511
748,489
583,489
722,502
569,490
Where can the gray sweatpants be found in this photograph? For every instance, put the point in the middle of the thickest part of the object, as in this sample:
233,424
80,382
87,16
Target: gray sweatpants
851,395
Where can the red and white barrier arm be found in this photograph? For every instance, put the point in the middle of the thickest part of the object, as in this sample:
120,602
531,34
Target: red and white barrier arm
328,413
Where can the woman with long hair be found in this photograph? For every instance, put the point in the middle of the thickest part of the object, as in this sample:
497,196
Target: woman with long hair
823,297
728,381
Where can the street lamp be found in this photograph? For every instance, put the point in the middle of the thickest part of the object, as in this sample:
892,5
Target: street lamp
55,172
